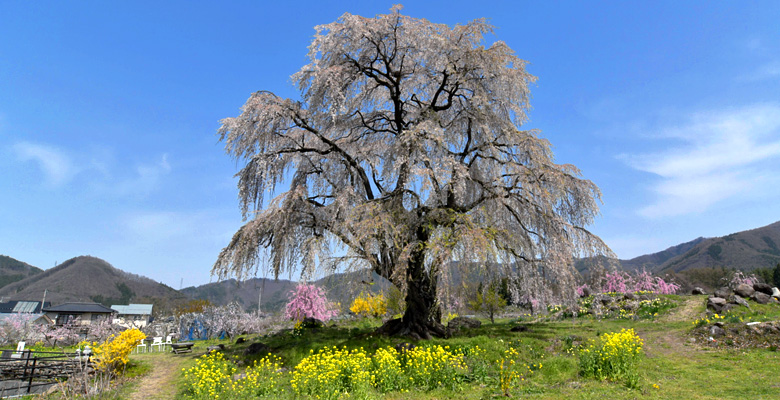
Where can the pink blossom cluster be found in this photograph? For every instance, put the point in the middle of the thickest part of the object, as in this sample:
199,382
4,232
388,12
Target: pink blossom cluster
309,301
623,282
740,278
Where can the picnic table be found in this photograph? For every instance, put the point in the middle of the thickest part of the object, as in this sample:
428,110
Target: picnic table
184,347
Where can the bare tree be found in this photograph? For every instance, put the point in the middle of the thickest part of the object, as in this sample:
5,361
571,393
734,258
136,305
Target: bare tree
403,155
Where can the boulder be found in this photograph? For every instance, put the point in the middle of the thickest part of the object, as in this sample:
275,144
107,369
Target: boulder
744,290
585,292
760,298
256,348
698,290
458,323
716,303
739,300
631,305
727,307
519,328
716,331
629,296
723,293
603,299
217,347
763,288
310,322
240,340
402,347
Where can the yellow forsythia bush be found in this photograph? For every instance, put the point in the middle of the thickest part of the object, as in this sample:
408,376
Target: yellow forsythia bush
114,352
369,305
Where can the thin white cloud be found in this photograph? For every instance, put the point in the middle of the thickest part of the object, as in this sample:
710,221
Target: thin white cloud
768,71
718,157
147,177
56,165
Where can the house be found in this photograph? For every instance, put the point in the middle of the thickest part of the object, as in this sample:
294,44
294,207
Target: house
29,309
86,313
133,315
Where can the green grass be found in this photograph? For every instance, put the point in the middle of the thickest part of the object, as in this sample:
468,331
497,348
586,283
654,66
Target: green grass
671,368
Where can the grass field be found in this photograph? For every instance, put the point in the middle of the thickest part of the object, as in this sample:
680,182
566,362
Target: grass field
677,361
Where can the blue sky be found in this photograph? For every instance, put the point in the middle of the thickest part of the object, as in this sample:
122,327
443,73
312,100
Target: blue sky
108,114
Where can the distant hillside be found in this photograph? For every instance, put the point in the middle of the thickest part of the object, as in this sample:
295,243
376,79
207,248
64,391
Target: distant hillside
341,287
747,250
87,278
245,293
12,270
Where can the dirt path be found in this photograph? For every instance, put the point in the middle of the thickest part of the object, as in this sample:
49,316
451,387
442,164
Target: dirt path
668,341
159,383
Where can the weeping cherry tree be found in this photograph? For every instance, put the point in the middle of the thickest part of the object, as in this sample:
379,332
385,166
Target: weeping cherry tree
405,155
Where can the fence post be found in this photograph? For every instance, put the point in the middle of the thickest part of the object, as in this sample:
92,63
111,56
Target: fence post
32,374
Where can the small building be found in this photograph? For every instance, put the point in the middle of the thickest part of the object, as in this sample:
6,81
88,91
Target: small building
86,313
29,309
23,307
133,315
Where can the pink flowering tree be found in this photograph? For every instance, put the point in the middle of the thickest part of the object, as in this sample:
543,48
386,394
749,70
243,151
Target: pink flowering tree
18,327
617,282
623,282
663,287
740,278
309,301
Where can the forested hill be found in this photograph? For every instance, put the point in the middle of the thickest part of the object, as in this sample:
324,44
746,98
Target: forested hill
87,278
746,250
13,270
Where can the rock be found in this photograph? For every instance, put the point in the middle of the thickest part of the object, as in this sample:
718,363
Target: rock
760,298
763,288
585,291
519,328
310,322
716,303
716,331
631,305
723,293
256,348
219,347
458,323
240,340
726,308
776,292
603,299
698,290
402,347
629,296
741,301
744,290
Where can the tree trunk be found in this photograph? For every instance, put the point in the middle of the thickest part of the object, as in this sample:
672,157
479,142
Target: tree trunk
422,318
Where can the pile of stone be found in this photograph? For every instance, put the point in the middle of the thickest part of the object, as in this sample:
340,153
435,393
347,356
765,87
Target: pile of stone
725,299
603,303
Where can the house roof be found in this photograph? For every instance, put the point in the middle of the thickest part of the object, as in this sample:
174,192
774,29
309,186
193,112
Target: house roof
22,306
79,308
134,309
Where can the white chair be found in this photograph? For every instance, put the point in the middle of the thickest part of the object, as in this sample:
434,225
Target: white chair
141,348
168,341
157,342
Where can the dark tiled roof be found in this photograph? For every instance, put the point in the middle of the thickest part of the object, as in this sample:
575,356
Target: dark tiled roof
79,308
